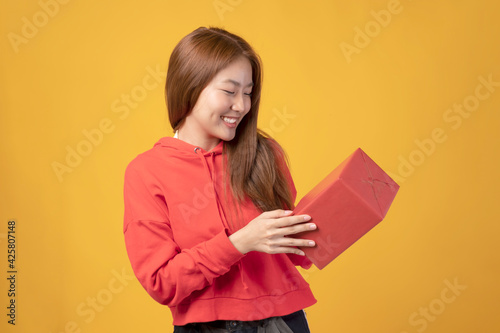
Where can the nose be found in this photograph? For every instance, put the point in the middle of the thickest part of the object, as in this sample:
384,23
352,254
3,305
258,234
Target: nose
238,103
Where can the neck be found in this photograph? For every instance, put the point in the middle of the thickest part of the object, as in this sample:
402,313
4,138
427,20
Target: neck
206,144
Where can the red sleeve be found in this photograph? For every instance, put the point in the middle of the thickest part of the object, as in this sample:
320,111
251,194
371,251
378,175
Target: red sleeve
168,274
297,260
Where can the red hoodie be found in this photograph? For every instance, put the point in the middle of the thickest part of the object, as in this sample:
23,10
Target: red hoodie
177,221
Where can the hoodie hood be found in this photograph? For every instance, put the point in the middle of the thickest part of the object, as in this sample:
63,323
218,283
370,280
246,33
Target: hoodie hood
185,147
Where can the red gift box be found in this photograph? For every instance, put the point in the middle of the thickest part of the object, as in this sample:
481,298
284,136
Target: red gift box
345,205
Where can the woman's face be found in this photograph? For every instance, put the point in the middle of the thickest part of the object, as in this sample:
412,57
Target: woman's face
220,107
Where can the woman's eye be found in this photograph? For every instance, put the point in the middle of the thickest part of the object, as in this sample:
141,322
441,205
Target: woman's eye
232,92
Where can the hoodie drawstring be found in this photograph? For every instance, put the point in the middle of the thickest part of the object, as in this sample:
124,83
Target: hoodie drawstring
213,179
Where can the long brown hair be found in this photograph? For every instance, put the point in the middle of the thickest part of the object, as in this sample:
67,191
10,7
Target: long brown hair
255,160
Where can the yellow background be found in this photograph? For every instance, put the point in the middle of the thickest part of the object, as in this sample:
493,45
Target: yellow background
72,72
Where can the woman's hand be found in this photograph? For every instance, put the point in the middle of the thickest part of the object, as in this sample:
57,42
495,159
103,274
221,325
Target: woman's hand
267,233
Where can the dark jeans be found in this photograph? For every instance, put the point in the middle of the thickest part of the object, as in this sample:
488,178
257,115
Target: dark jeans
296,321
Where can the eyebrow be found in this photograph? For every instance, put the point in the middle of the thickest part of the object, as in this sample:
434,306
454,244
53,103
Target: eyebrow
236,83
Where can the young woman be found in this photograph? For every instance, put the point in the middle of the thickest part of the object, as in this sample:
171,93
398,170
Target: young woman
208,223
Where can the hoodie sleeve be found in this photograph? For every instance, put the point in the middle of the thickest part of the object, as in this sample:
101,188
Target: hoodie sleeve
166,272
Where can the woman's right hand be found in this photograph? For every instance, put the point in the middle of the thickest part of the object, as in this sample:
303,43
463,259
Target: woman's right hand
267,233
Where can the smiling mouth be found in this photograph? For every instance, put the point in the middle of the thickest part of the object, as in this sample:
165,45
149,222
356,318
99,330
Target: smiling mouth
229,120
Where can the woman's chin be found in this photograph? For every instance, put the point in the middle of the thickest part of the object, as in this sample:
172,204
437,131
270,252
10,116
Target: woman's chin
227,136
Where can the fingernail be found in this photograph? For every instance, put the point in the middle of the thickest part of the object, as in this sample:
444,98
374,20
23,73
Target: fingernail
307,218
311,243
301,253
286,212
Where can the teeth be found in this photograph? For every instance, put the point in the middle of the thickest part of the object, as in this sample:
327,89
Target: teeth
229,120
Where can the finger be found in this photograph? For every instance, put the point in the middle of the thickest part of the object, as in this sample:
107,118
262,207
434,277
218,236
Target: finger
295,229
292,220
277,213
287,241
284,249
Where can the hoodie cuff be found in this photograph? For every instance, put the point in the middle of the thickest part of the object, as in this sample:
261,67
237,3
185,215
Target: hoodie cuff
222,250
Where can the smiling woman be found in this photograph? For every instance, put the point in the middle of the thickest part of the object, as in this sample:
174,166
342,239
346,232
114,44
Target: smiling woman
208,211
220,107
